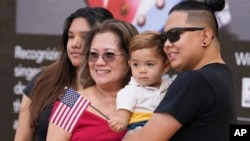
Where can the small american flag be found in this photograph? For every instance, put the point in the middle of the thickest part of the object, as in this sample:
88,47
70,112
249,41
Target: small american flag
70,108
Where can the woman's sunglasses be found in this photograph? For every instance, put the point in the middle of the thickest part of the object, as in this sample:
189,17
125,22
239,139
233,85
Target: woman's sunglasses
107,56
173,34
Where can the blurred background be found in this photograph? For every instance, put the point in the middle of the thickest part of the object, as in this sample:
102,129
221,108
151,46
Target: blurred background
30,33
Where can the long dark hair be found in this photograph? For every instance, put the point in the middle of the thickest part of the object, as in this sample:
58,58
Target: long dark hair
53,78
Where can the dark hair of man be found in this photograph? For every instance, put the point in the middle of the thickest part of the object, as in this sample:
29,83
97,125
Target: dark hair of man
201,13
51,82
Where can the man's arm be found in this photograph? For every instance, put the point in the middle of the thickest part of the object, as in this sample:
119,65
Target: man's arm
160,127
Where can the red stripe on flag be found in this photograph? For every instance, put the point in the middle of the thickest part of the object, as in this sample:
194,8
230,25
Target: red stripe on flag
84,105
70,116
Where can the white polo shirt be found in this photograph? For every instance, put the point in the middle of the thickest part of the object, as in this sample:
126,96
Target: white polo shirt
141,100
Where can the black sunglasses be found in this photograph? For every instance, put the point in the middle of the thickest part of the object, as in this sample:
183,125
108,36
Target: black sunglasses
173,34
107,56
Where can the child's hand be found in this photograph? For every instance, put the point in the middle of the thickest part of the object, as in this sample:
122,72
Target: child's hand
117,125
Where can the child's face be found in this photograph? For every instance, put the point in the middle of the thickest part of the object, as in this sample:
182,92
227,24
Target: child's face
147,67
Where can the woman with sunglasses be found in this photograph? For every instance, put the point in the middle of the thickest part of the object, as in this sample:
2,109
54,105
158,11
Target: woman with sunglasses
199,104
48,85
104,72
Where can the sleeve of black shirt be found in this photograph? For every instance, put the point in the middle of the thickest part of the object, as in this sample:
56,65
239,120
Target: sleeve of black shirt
30,85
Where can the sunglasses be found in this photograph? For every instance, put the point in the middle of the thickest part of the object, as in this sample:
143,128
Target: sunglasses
107,56
173,34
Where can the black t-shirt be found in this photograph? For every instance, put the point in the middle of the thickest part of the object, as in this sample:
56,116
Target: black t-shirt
28,88
43,123
203,102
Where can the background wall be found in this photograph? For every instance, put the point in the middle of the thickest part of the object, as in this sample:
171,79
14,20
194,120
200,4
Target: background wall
30,32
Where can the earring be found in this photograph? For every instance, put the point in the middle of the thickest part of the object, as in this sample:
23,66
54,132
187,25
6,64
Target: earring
204,43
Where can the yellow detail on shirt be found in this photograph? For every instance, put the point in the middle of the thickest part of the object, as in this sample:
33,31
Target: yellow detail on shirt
139,116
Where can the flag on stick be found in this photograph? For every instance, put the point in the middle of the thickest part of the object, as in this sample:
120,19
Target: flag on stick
70,108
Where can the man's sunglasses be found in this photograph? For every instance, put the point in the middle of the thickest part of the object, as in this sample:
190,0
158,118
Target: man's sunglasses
107,56
173,34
